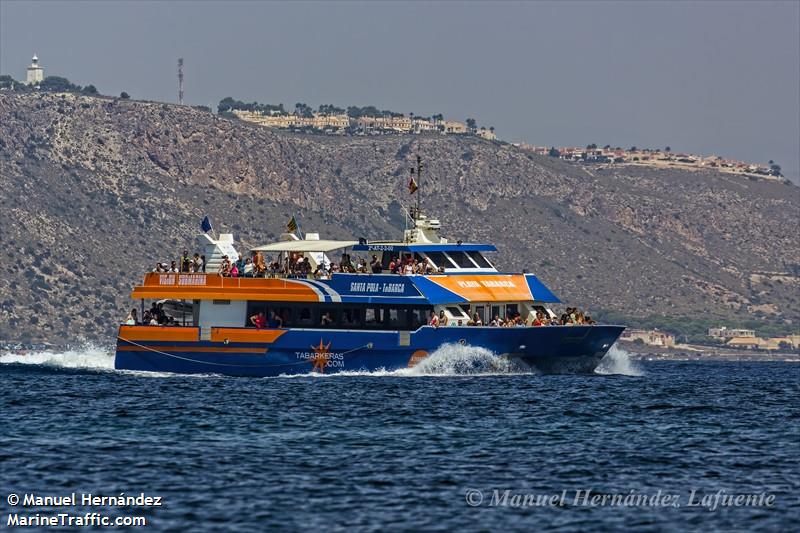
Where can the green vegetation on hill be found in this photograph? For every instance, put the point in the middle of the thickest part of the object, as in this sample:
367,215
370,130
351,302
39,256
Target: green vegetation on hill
54,84
228,104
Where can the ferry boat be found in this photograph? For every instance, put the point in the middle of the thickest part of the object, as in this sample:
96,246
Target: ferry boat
351,321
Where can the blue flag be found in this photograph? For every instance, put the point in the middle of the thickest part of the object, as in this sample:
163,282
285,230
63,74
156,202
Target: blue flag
205,225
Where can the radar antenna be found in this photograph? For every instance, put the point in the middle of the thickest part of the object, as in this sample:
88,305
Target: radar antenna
180,80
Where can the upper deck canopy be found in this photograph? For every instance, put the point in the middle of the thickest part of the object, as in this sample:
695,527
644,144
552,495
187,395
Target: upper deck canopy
305,246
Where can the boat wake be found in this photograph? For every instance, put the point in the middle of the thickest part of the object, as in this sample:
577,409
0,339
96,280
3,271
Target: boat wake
88,357
618,361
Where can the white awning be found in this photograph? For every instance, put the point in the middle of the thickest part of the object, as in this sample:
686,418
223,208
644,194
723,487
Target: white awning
304,246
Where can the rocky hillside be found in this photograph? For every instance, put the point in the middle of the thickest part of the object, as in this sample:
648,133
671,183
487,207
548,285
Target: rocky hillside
93,191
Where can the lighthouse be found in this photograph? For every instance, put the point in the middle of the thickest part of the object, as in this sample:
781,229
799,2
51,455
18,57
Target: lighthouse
35,72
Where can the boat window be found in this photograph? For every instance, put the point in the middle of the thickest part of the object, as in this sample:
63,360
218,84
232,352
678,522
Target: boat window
418,318
440,260
397,318
351,318
512,310
286,315
479,259
461,259
330,320
455,311
495,312
304,317
373,317
386,258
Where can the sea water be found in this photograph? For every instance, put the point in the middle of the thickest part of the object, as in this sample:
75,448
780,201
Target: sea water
462,441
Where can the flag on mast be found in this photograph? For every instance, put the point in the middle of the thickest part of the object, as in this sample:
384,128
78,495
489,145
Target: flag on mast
205,225
412,184
292,225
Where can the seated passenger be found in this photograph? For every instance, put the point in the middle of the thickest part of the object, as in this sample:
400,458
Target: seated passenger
537,321
408,268
173,268
393,265
476,320
442,318
234,271
259,320
496,322
433,320
326,320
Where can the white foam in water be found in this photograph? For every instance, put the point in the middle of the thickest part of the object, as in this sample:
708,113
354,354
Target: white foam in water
447,360
618,361
89,357
460,360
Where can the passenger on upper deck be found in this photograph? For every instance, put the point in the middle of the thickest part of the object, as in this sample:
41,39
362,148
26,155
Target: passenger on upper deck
131,319
186,262
225,267
259,266
346,265
173,267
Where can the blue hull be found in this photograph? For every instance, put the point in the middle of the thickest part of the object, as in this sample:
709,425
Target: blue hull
552,349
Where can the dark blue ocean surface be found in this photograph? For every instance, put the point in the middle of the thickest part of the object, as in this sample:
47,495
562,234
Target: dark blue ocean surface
409,451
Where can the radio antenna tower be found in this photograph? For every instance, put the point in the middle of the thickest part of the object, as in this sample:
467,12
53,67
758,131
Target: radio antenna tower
180,80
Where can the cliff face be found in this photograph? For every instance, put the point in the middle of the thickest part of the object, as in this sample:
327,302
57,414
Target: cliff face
93,191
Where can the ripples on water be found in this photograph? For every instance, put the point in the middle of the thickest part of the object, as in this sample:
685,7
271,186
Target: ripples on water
399,450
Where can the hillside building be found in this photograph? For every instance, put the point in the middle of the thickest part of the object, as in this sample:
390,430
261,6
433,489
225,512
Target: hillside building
651,337
725,333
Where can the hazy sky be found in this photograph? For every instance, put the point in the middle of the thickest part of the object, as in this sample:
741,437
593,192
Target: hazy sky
715,77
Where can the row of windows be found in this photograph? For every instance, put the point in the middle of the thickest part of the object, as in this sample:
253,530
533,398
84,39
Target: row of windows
451,259
339,316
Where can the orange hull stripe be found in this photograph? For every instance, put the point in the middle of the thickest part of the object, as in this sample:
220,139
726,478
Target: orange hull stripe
159,333
245,335
207,349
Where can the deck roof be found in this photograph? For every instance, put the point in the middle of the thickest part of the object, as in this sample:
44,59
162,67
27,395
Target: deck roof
304,246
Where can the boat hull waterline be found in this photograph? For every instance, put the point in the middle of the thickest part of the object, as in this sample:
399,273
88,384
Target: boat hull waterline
276,352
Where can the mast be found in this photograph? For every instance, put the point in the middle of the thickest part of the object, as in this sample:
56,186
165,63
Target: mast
419,184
